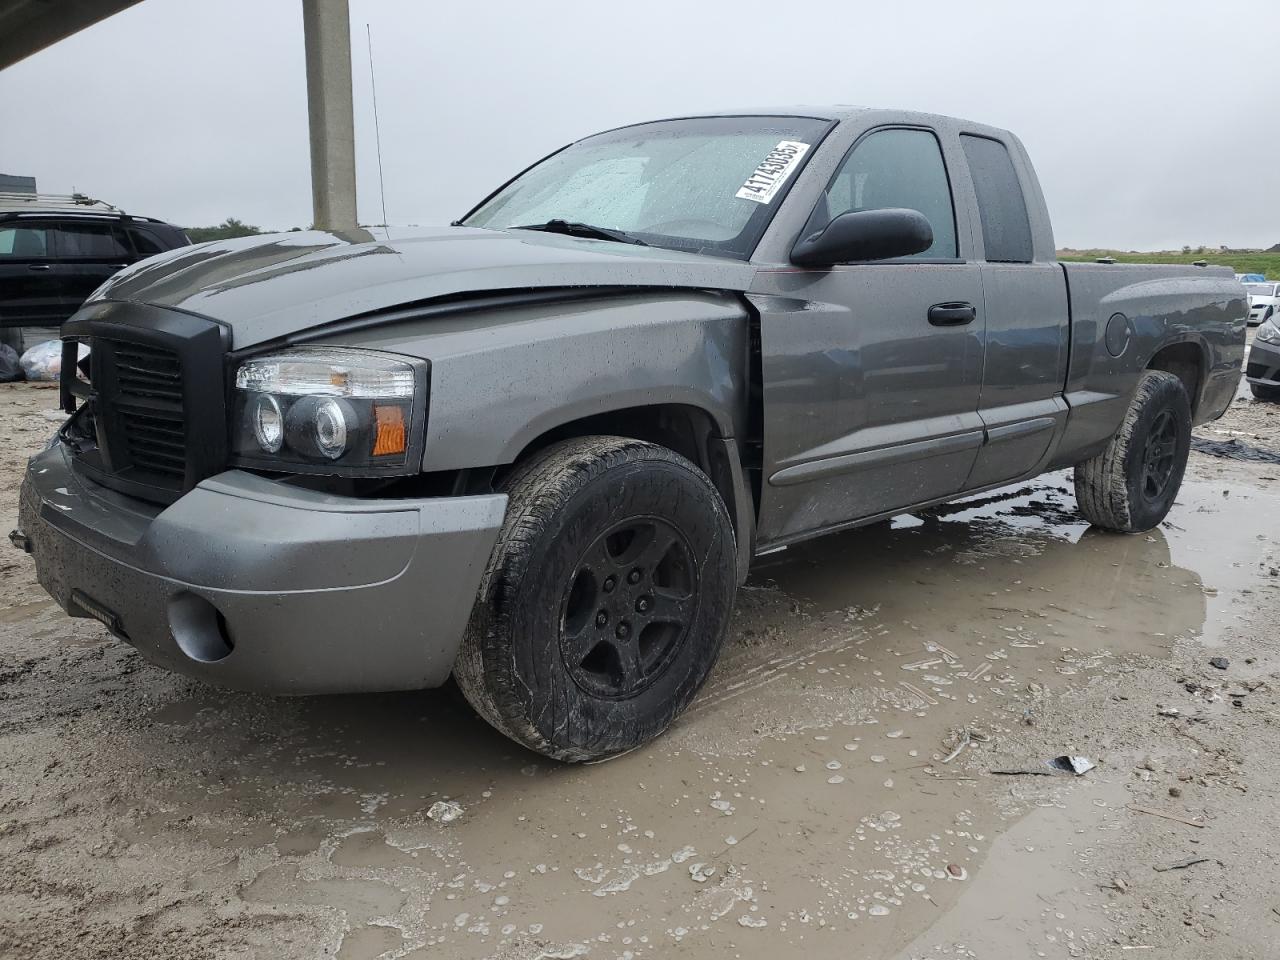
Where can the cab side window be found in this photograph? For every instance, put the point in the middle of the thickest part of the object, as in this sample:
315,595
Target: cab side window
898,168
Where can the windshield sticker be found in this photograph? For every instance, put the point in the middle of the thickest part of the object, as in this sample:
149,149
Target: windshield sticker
773,171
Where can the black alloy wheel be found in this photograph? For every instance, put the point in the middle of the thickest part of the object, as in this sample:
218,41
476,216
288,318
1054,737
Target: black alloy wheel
628,607
1159,455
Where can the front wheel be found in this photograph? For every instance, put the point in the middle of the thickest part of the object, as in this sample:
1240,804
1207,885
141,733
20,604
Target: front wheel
606,599
1263,392
1130,486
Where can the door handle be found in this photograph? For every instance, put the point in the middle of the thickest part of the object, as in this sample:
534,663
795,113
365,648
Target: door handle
953,314
39,266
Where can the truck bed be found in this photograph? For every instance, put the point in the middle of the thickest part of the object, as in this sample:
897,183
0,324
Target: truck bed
1120,314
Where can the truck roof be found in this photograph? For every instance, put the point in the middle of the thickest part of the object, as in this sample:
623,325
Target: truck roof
839,111
843,112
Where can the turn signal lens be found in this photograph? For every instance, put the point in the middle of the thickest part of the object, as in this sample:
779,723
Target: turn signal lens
389,436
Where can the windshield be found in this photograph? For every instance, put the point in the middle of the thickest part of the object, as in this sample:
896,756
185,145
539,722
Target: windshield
1261,289
709,184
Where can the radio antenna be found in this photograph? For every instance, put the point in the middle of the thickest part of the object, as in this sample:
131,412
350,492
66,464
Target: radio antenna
377,132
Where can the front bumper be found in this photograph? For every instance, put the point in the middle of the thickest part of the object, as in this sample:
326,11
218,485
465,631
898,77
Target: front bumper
1263,364
257,585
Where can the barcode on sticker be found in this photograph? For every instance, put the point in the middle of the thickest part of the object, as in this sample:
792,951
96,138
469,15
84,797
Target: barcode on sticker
773,171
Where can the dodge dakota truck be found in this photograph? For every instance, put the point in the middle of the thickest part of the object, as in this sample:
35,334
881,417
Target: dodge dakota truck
537,449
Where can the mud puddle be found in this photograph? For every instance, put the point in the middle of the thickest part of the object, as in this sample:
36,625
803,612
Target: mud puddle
27,610
831,786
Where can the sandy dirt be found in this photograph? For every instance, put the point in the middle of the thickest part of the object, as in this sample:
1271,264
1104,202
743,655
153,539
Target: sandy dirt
831,794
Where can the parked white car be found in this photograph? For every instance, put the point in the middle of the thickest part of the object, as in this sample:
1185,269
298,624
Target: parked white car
1264,301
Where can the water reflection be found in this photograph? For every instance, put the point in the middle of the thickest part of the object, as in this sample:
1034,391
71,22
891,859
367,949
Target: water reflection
1024,548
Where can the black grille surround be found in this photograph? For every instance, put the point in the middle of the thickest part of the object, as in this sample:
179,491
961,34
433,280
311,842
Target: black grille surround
151,421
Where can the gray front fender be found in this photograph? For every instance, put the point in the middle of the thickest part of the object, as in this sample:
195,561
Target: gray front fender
501,379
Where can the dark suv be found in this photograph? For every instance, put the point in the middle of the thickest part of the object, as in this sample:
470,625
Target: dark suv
55,251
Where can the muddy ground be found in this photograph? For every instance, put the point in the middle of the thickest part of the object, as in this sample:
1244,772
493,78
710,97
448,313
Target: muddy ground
831,794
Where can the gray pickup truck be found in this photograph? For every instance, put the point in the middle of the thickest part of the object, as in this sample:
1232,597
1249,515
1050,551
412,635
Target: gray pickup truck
539,448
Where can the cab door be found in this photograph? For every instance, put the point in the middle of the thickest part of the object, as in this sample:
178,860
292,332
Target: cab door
871,371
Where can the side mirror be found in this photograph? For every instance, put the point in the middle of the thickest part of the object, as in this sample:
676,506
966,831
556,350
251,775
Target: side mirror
865,235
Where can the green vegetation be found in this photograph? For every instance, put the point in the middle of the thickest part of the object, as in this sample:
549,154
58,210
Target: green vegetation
1241,261
231,227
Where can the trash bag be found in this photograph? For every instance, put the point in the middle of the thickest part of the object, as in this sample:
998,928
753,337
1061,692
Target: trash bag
10,364
43,361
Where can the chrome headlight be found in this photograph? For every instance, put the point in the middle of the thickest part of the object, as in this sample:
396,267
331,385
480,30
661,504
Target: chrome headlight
1269,332
330,410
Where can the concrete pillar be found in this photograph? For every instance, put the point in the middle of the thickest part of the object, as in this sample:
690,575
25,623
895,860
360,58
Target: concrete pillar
326,28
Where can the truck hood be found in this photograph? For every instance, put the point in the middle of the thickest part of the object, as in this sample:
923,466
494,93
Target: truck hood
271,286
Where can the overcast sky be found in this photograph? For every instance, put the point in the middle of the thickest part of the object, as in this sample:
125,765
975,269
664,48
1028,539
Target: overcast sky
1152,124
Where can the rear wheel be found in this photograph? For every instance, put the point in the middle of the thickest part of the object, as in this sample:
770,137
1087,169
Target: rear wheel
606,599
1263,392
1131,485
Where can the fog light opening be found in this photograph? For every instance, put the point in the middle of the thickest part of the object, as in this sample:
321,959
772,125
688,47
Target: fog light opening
199,628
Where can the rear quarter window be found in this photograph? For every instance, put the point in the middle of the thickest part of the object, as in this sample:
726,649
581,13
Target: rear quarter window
1006,230
146,243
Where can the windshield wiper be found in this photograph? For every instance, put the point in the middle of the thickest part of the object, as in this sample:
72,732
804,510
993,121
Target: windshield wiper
572,228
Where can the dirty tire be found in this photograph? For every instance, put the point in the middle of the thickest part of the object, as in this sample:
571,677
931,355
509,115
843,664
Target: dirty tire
545,659
1130,486
1263,392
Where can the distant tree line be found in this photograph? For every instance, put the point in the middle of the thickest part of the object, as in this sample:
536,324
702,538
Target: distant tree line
1225,249
226,230
230,227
